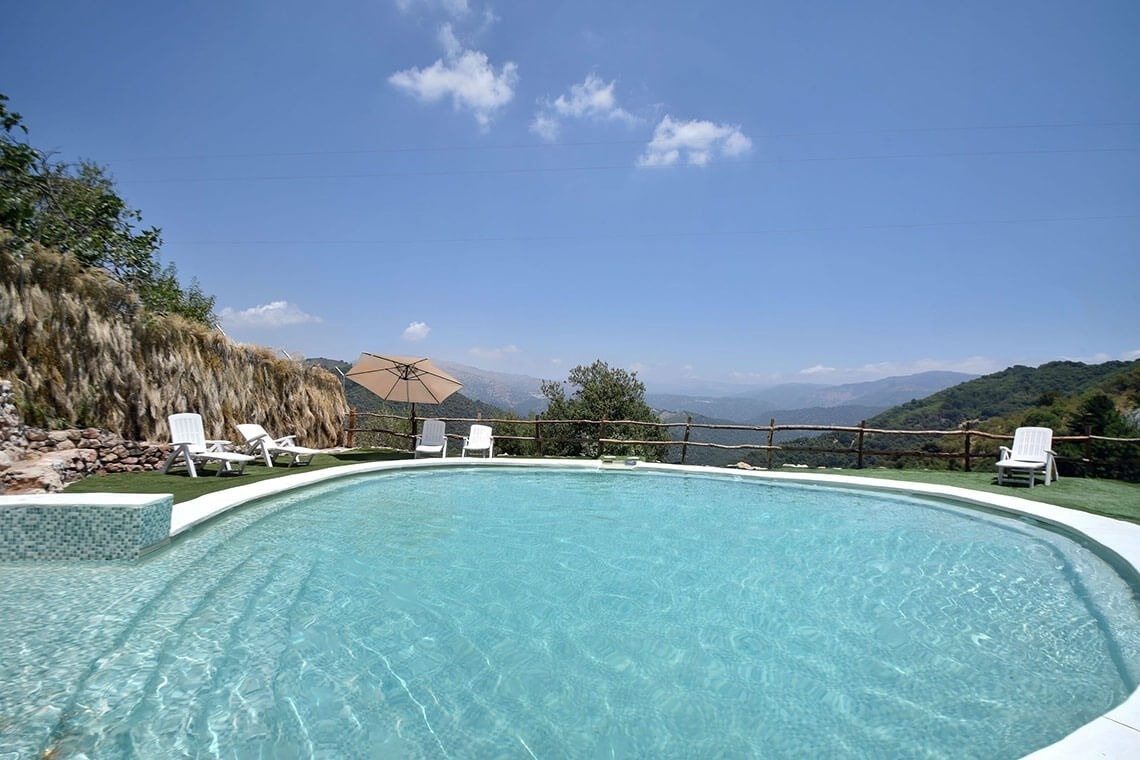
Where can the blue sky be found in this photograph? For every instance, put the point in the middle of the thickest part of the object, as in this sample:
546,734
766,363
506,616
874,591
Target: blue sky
732,192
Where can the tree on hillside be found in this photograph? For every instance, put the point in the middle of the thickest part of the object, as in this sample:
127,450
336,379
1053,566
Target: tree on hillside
601,393
74,208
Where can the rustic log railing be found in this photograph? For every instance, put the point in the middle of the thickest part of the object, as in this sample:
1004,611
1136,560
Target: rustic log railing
860,448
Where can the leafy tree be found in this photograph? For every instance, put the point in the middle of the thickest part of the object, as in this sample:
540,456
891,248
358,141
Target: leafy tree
601,393
1098,414
17,163
74,208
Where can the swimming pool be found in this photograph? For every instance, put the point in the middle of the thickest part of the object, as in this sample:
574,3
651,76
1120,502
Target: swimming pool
493,612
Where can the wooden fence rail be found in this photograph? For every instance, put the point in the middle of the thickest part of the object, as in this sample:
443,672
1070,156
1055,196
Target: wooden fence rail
859,448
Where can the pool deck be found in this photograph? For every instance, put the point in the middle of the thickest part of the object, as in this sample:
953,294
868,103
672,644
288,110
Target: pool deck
1116,734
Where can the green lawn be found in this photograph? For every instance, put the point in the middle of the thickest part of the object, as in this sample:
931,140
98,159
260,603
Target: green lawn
1113,498
185,487
1107,497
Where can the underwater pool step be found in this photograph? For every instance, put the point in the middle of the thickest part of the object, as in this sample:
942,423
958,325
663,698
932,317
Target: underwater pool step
159,698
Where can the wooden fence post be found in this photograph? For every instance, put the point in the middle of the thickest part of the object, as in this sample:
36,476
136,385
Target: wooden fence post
601,434
771,437
538,434
859,462
685,443
966,456
350,434
412,419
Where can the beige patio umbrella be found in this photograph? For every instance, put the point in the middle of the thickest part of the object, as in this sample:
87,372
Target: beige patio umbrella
412,380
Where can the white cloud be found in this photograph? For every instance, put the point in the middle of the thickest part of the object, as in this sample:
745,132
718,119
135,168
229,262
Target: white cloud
416,331
453,8
466,76
1102,357
546,126
696,140
973,365
493,353
818,369
274,314
592,99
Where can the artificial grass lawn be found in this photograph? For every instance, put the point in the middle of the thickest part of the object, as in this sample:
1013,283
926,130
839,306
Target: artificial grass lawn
1112,498
185,487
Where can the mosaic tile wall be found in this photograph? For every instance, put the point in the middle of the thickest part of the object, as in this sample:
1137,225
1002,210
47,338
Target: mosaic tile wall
40,531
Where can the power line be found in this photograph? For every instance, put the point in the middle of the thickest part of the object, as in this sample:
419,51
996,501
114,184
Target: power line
625,167
658,235
603,143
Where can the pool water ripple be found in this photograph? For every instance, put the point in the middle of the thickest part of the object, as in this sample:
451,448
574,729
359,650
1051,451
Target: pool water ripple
519,614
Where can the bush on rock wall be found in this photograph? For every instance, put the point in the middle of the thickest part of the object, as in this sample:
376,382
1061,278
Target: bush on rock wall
83,352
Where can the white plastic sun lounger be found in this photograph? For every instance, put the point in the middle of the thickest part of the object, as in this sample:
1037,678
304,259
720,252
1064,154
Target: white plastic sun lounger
188,441
1030,454
260,442
479,441
433,439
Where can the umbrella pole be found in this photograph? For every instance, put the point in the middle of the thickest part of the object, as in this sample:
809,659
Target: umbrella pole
413,445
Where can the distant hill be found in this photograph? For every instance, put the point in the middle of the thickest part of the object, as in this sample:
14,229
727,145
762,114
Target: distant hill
521,394
1012,390
759,407
1053,395
833,415
516,393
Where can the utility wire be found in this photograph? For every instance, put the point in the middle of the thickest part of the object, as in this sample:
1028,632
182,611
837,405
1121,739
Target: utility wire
659,235
625,167
603,143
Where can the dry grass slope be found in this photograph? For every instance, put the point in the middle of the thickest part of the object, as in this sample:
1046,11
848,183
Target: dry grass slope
81,351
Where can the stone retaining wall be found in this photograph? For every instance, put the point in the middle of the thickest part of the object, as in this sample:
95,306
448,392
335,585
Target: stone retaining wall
33,460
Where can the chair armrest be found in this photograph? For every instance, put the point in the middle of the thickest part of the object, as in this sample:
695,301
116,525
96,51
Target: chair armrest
289,440
1004,452
218,444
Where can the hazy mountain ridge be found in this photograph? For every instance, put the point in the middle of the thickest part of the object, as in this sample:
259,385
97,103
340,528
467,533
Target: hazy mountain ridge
521,394
795,398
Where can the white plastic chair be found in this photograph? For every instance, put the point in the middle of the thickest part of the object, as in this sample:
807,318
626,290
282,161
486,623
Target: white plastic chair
480,441
433,439
188,438
1029,454
259,441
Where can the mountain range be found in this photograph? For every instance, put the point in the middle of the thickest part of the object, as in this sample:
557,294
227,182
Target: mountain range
807,402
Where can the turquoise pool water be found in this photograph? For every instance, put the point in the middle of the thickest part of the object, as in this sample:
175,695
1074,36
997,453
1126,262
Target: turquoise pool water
519,613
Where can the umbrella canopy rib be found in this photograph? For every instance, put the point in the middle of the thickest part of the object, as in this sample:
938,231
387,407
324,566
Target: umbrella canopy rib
412,380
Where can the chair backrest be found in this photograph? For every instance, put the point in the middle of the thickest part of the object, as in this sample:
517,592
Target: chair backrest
186,427
479,437
434,433
252,431
1031,443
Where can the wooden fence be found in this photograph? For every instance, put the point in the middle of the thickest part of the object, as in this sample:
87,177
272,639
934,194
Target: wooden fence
975,444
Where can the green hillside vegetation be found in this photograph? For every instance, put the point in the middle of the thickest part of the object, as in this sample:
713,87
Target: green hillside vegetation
75,210
94,332
1072,398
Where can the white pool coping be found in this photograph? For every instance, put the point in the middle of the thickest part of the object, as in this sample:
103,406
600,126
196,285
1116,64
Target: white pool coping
1116,734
